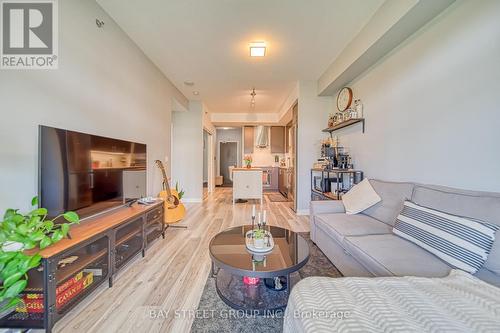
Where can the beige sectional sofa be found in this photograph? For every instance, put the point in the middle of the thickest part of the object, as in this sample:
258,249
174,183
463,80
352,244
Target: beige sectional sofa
364,245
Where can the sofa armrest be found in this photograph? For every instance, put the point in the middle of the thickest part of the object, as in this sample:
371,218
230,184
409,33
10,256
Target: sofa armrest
326,207
323,207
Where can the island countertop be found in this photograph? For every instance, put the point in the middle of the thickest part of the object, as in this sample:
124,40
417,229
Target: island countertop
247,169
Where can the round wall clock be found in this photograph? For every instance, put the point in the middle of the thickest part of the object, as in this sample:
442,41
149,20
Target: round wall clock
344,99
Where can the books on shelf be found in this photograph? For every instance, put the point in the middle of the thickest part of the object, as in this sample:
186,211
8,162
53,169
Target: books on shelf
33,302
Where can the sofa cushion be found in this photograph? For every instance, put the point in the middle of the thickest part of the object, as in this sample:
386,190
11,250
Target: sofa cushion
393,195
488,276
388,255
359,198
463,243
339,226
482,206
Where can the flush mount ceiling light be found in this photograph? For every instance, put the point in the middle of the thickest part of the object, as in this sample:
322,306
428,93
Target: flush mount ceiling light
196,93
257,49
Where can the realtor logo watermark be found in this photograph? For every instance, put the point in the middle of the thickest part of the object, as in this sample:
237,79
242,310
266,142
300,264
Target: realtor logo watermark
29,33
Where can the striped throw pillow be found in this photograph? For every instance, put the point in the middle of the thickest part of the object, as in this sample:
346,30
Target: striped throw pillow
463,243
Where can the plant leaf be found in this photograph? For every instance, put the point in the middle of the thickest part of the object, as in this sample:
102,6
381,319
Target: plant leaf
35,261
23,229
6,256
34,201
15,289
34,221
48,225
71,217
28,244
12,303
39,212
45,242
64,229
37,236
57,236
11,279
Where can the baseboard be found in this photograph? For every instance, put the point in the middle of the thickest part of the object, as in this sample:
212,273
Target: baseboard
302,212
192,200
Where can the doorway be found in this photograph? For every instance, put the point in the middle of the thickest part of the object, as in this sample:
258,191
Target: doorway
228,157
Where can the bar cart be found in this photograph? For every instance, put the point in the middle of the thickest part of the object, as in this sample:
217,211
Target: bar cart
331,184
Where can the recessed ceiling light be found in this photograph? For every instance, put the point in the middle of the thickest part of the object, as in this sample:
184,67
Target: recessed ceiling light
189,83
257,49
196,93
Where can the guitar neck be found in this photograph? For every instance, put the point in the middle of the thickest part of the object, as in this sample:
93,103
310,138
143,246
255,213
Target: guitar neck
166,185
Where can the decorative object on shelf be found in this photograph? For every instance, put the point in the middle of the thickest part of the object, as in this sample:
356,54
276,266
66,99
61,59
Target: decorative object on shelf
344,99
358,108
67,261
346,115
21,232
331,120
248,161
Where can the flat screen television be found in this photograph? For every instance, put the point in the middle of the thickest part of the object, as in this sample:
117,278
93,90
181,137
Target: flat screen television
88,174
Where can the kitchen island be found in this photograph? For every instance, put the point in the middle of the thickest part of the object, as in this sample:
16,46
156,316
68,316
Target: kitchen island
247,184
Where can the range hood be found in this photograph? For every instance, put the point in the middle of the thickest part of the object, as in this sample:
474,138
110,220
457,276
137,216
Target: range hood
262,136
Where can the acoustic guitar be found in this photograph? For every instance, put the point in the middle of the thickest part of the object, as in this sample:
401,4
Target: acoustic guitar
174,209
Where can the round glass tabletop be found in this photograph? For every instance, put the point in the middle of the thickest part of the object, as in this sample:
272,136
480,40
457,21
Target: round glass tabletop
228,251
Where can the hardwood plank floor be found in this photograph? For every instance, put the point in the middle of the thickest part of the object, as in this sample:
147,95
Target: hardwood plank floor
169,281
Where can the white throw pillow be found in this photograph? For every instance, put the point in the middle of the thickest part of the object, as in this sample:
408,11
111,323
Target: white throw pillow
362,196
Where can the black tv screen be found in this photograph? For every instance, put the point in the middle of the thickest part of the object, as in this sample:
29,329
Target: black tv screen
88,174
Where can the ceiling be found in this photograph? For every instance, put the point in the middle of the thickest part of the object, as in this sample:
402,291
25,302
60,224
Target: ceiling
206,42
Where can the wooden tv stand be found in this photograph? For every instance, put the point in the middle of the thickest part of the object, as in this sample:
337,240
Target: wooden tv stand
71,269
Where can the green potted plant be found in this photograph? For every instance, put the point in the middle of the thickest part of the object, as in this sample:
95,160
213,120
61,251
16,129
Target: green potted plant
258,238
20,233
180,192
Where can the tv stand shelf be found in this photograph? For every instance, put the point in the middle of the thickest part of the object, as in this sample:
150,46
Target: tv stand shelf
73,268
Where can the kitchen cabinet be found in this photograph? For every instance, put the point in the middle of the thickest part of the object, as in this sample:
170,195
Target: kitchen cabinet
248,138
277,139
247,184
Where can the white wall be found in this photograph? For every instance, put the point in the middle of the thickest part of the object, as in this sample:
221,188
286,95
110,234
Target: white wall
104,85
432,106
187,151
312,118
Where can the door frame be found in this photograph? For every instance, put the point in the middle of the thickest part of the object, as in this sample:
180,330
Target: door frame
218,153
210,158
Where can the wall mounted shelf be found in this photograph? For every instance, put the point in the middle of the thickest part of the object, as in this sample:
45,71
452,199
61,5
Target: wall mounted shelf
344,124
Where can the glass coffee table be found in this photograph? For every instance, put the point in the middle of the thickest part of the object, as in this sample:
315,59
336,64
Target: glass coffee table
256,282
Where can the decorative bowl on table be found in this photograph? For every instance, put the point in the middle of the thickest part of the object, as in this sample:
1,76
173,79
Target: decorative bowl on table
256,245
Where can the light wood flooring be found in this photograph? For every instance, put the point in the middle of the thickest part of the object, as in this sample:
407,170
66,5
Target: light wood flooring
169,281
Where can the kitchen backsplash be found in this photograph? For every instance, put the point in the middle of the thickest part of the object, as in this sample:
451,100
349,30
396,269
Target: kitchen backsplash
263,157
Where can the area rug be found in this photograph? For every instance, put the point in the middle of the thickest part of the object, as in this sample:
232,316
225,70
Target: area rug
214,315
276,197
